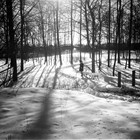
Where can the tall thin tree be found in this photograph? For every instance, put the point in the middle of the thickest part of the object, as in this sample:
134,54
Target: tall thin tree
100,33
57,24
9,6
92,14
87,24
119,28
22,32
130,32
71,32
109,22
80,29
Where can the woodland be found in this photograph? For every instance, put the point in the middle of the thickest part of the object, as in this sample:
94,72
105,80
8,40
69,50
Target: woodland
43,95
29,28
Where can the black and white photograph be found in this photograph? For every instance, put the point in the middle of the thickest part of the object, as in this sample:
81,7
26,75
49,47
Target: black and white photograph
69,69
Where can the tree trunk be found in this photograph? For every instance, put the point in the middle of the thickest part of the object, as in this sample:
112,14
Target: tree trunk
119,29
55,40
93,36
22,32
11,35
87,25
109,33
93,47
100,35
43,34
58,44
130,32
71,33
6,40
80,30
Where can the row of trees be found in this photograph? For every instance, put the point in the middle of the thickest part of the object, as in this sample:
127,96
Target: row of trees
56,22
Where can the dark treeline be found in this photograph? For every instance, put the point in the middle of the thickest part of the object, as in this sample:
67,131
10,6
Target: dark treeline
100,24
30,50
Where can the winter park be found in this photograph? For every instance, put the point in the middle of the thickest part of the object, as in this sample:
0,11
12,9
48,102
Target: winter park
69,69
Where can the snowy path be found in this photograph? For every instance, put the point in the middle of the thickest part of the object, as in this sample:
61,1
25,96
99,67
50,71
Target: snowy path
64,114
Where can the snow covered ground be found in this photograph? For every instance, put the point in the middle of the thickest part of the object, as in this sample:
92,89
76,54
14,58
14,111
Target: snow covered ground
54,102
39,113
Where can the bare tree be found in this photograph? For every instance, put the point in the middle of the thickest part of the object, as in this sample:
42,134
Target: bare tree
130,32
109,22
92,8
80,29
100,33
22,32
11,35
43,30
57,23
119,28
71,32
87,23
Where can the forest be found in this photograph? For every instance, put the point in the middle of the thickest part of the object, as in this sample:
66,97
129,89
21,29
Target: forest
42,46
36,26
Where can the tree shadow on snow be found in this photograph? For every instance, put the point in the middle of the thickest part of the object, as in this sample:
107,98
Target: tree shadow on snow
55,77
42,127
47,75
135,134
33,76
27,71
111,80
40,76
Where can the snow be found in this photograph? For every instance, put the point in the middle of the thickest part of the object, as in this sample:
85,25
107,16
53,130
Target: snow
54,102
65,114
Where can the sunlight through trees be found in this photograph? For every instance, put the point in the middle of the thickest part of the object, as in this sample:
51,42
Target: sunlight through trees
36,27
